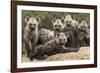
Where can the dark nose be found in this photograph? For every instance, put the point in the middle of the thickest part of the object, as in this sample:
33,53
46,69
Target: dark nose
30,24
60,39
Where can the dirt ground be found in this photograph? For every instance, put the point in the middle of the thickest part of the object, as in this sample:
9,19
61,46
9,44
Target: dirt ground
82,54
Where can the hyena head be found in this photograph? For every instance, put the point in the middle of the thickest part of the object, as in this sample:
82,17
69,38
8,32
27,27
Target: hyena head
67,19
74,23
58,25
43,35
83,25
83,29
32,22
61,38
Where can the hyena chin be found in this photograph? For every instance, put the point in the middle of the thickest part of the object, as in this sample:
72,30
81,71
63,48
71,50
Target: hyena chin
30,35
52,47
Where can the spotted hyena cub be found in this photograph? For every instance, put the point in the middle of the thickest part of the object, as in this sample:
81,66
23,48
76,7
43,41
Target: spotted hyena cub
30,35
57,25
67,20
84,33
71,28
44,36
52,47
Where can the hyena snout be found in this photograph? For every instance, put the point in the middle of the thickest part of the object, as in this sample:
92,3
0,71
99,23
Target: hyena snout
58,27
32,26
62,41
62,38
68,23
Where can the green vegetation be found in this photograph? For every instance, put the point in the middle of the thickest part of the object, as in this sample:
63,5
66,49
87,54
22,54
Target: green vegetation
46,17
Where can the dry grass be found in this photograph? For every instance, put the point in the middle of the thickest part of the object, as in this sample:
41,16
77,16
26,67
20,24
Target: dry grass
82,54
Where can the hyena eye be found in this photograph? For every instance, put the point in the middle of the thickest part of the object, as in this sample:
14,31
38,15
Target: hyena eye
69,21
34,24
59,39
64,39
55,25
66,21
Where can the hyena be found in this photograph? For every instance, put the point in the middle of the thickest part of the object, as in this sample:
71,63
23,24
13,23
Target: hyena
44,36
84,33
54,46
30,35
71,28
58,26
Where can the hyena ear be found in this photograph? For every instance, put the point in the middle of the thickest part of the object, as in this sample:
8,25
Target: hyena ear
38,19
67,34
53,20
62,21
58,34
26,19
63,17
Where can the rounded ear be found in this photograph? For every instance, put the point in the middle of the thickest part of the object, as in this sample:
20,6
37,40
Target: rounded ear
63,17
79,21
38,19
69,16
62,21
58,34
67,34
26,19
53,20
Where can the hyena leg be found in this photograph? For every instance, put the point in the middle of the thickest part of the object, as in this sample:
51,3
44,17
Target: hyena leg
24,51
38,54
34,55
29,49
74,49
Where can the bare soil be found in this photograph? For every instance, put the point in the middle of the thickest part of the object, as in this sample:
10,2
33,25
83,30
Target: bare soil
82,54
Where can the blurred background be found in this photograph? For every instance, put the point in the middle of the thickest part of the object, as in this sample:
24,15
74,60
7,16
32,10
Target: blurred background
47,17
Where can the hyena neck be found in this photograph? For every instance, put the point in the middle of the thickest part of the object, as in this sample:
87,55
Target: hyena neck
55,33
36,29
36,34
